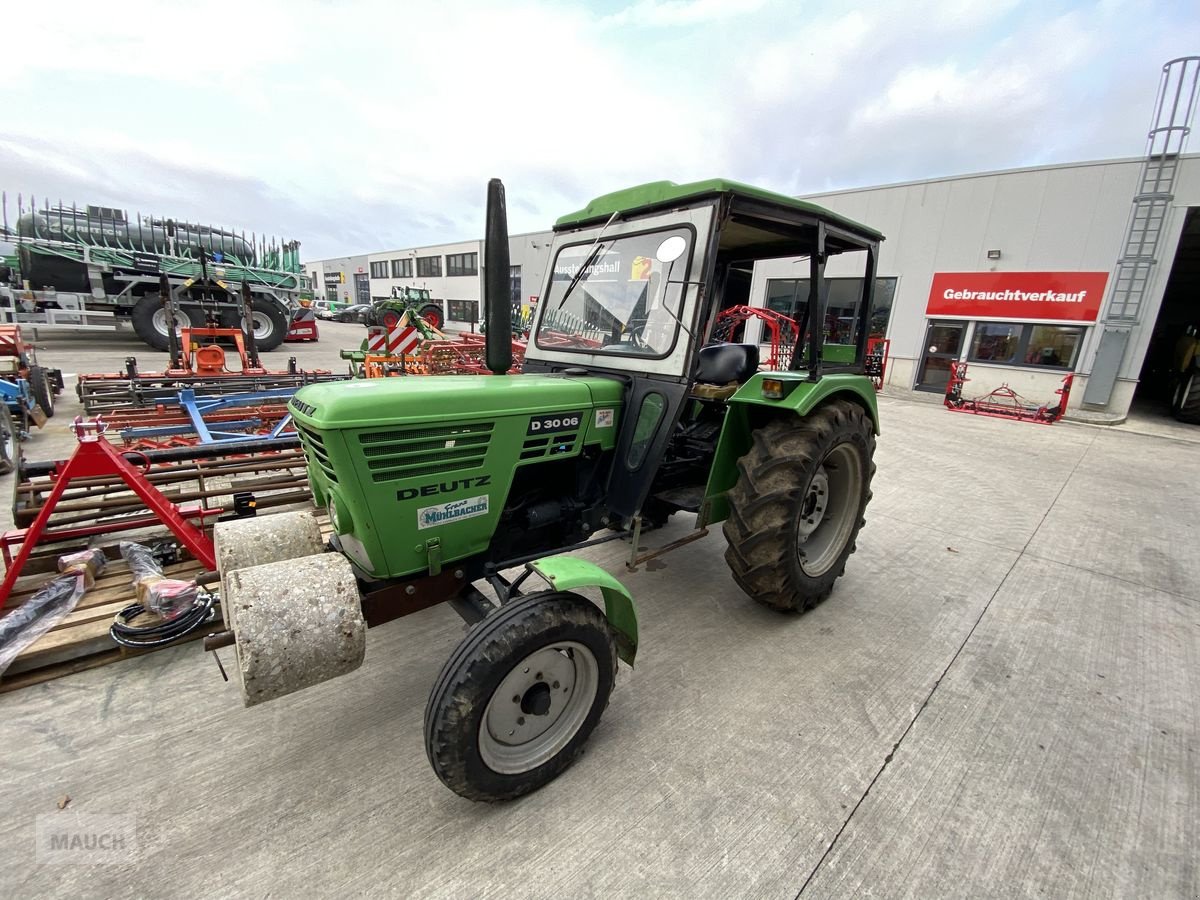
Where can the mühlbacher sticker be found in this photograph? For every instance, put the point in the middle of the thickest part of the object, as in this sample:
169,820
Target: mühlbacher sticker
431,516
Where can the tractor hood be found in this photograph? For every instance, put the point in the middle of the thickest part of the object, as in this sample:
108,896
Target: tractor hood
437,398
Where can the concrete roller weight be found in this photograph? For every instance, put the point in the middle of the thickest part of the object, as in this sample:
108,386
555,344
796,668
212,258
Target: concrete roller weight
243,543
298,622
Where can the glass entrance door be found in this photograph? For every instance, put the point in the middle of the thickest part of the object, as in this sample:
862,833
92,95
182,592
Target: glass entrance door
943,341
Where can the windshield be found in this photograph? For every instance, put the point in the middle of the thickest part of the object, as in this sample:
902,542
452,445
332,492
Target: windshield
627,299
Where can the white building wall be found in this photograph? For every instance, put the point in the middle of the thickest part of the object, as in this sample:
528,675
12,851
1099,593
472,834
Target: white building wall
337,273
445,287
529,251
1055,218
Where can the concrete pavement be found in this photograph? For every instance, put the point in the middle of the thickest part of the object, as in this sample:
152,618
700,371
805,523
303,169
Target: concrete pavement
1001,698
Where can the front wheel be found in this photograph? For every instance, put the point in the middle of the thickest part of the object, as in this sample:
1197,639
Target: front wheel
433,316
517,700
798,505
149,321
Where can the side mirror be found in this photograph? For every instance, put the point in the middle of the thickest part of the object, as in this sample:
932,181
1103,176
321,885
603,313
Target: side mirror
670,249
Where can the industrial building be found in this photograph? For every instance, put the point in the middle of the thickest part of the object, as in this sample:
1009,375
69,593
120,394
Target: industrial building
1028,274
453,273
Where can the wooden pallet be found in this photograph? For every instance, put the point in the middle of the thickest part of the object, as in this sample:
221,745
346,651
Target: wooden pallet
81,640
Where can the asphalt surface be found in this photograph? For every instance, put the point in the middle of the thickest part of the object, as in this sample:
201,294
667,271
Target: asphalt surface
1001,698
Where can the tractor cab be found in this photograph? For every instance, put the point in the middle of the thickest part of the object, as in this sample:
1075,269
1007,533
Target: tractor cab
638,283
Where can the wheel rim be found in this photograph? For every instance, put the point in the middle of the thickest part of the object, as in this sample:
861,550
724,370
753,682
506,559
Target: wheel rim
539,706
160,322
826,517
434,319
263,326
390,320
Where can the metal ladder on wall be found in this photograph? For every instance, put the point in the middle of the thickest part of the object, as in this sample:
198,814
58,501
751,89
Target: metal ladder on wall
1168,135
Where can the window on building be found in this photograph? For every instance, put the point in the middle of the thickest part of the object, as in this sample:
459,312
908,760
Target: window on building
402,268
379,269
996,342
514,286
790,297
429,267
1019,344
462,310
462,264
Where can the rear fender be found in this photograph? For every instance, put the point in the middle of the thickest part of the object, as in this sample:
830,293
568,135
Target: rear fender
567,573
749,409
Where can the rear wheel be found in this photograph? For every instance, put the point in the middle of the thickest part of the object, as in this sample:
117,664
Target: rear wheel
515,703
798,505
42,390
1186,404
8,441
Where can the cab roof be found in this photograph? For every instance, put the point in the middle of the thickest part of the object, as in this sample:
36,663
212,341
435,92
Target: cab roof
656,194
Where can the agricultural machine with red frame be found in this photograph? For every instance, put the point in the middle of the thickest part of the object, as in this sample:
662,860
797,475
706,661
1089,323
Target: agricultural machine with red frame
1004,402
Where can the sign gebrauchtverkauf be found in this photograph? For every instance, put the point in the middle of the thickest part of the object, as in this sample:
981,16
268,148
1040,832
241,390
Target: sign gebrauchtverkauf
1018,296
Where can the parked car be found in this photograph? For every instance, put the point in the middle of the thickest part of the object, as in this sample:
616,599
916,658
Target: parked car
356,313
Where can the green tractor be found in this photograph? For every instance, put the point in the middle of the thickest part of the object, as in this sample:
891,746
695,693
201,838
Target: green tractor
411,300
625,414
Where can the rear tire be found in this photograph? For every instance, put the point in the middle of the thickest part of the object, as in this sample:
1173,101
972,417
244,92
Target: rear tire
797,508
1186,405
517,700
42,390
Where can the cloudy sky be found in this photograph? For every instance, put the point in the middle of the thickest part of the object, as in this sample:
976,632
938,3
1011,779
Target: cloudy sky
359,126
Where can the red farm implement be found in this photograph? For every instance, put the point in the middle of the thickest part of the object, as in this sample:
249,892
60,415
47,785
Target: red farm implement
1004,402
780,330
388,353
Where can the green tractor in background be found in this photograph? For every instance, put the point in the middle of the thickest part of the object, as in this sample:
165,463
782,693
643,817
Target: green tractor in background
411,300
625,415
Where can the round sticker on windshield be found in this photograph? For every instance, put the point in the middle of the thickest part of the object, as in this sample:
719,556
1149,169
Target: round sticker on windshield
670,249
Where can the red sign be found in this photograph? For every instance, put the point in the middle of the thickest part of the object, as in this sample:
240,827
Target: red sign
1065,296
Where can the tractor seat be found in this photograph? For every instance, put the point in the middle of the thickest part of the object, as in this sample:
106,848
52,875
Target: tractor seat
723,363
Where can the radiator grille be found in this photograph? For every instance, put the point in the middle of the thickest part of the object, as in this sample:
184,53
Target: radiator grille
424,451
548,445
314,449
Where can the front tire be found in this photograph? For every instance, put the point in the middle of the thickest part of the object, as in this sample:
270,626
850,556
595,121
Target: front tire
433,316
149,321
797,508
519,697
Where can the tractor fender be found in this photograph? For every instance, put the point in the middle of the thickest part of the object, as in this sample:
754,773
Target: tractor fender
566,573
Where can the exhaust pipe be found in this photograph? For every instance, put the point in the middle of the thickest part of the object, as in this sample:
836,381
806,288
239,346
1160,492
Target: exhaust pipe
497,307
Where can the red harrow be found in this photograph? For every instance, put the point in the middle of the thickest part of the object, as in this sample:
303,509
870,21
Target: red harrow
1004,402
